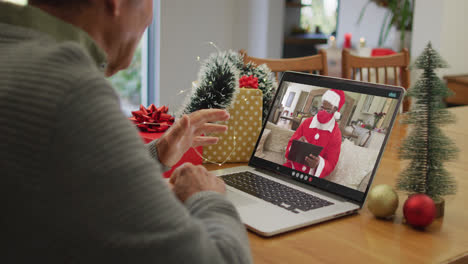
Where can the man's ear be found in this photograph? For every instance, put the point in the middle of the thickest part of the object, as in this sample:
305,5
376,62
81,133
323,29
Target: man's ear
114,7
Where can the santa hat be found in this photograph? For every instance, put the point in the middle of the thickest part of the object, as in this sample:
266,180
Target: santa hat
336,98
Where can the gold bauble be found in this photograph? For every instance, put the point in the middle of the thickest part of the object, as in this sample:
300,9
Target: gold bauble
382,201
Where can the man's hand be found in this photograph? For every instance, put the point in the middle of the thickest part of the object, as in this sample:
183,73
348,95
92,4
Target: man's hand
312,161
303,139
189,179
186,133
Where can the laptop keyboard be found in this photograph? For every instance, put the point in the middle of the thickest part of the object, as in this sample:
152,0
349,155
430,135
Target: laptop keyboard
273,192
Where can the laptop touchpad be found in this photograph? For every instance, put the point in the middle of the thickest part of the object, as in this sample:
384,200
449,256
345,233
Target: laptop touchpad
239,199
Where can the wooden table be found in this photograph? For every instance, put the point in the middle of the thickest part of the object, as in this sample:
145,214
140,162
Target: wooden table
361,238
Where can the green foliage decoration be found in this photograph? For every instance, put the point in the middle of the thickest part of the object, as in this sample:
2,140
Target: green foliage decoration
218,82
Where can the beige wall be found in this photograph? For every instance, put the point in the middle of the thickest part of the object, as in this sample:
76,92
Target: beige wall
187,27
444,24
454,36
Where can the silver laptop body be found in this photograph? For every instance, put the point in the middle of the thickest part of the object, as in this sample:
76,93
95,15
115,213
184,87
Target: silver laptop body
362,146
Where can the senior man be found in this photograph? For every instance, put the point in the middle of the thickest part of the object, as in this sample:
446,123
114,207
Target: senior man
78,185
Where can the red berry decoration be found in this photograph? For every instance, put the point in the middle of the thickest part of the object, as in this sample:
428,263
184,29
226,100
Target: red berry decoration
419,210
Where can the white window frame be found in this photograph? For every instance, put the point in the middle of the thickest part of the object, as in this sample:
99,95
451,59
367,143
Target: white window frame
151,59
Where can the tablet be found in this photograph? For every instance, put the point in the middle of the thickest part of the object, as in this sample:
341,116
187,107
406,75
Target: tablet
299,150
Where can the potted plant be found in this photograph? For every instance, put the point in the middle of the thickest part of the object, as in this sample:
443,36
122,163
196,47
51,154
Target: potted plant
377,117
399,14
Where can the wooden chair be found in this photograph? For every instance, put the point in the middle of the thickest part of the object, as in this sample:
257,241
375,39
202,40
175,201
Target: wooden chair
310,64
378,69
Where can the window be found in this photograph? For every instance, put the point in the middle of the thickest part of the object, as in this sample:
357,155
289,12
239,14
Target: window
139,84
128,83
367,103
19,2
290,99
320,16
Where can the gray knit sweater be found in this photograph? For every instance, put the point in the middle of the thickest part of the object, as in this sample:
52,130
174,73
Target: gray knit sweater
77,183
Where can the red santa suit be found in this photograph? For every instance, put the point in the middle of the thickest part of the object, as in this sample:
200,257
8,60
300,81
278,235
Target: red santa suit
327,135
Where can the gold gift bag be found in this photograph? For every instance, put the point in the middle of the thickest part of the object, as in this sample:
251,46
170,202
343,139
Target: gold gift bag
238,142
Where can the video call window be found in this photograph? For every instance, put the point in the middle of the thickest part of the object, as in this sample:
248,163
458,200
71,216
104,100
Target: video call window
330,134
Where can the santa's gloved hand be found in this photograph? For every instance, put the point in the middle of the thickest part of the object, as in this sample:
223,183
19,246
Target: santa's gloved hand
186,132
312,161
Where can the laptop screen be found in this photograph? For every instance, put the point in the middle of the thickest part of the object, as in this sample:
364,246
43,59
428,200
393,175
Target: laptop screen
327,132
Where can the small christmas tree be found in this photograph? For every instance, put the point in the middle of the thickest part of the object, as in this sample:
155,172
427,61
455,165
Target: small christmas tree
426,146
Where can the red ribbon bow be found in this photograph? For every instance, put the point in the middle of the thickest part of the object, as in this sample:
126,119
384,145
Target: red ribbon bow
158,118
248,82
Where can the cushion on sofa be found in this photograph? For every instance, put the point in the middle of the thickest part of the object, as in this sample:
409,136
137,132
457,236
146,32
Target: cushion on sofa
353,165
278,139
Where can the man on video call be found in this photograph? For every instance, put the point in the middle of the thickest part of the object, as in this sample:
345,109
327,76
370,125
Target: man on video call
321,130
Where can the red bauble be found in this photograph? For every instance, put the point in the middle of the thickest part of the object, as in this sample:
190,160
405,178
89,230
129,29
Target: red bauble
419,210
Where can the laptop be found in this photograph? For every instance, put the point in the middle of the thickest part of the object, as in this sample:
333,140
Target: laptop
274,195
